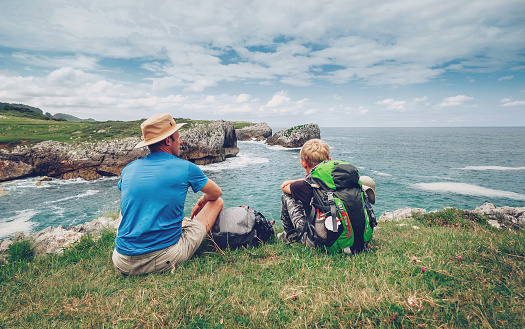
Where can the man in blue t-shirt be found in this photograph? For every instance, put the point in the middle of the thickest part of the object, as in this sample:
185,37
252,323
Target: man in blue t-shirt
150,236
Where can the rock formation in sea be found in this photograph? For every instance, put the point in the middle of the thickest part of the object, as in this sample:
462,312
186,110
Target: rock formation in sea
295,136
258,131
91,160
209,143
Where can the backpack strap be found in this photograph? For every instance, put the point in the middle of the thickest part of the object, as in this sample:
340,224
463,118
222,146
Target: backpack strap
333,210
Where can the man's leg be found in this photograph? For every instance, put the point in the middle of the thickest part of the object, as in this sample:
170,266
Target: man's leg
208,214
293,217
191,238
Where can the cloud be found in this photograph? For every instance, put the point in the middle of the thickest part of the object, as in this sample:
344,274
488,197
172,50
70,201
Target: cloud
200,85
362,110
509,77
392,104
76,61
205,45
420,99
454,101
510,102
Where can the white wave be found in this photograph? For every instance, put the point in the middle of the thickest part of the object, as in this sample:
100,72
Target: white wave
252,141
82,195
20,184
436,177
55,182
491,168
19,223
239,161
281,148
469,189
378,173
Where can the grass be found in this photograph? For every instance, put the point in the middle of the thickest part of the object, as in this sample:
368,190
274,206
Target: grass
17,130
281,286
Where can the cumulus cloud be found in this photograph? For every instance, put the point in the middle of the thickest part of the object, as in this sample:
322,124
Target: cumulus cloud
273,40
131,55
454,101
89,95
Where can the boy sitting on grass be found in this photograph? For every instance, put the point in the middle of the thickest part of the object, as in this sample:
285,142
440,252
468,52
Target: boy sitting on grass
295,201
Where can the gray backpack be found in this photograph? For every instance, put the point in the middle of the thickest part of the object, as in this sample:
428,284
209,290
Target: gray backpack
241,226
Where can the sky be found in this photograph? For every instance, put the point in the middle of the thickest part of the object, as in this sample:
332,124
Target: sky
417,63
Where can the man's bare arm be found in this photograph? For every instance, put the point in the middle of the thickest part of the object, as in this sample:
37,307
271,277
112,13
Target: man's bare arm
285,186
211,193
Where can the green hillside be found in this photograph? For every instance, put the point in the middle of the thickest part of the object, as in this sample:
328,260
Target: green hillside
71,118
24,111
22,124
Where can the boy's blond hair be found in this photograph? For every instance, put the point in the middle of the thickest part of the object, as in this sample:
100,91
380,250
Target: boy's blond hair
314,152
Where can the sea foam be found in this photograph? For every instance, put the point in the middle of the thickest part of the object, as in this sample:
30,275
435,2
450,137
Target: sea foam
491,168
378,173
239,161
469,189
18,223
78,196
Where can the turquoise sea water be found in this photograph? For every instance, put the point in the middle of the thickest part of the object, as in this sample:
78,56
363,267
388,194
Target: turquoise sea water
428,168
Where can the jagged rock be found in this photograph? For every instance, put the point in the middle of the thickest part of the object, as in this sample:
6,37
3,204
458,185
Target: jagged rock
295,136
55,239
210,143
258,131
13,169
19,236
43,179
401,213
91,160
5,245
508,216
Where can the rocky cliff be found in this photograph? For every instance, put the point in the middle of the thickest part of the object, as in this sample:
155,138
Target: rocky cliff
91,160
295,136
258,131
209,143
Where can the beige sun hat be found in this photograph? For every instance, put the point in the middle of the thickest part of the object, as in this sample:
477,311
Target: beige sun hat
157,128
369,186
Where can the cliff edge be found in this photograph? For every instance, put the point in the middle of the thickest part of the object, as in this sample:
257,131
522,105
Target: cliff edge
203,143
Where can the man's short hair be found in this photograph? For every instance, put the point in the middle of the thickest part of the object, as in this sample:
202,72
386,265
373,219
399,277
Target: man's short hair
314,152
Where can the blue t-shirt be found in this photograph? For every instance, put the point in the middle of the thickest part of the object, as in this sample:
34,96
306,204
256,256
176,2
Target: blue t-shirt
153,192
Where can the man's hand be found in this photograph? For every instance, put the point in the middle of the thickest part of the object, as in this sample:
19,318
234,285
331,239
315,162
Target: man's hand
198,207
211,193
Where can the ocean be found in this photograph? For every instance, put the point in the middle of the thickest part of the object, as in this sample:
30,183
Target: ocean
430,168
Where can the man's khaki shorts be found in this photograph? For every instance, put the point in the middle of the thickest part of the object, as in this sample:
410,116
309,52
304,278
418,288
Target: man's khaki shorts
193,233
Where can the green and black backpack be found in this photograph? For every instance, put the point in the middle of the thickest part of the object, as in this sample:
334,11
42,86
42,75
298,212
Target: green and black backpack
339,219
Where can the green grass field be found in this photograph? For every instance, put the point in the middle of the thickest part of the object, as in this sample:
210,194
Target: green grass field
473,277
17,130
